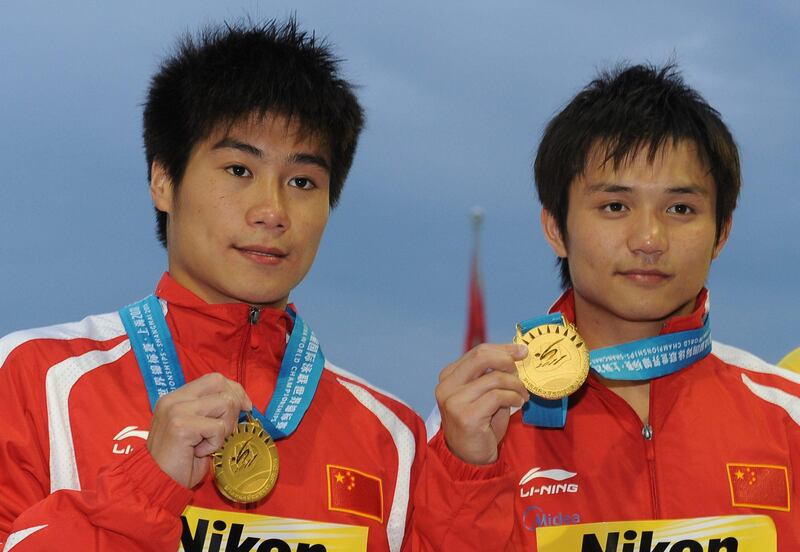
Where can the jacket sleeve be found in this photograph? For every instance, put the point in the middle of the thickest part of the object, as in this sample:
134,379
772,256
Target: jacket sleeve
132,505
458,506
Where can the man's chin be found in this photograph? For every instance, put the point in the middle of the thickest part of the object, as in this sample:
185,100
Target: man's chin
262,299
652,313
267,302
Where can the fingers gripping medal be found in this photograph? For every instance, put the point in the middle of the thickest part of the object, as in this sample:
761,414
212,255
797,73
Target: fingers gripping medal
246,466
557,363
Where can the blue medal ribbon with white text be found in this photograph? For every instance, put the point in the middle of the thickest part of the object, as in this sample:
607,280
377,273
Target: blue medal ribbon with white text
301,367
640,360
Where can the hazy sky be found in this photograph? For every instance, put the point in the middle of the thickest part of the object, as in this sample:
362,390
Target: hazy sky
457,94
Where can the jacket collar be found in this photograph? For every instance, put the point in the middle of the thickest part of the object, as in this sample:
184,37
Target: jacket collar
220,333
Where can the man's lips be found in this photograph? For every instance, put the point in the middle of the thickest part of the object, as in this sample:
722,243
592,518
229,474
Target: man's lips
648,276
261,254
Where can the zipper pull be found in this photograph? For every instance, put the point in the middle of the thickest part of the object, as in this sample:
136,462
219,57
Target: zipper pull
253,317
647,432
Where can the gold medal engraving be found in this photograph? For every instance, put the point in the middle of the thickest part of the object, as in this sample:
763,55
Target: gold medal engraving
246,466
557,363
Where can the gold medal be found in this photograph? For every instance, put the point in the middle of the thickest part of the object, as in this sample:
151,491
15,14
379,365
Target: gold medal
246,466
557,363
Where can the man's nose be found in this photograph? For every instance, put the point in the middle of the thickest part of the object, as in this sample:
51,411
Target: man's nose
268,205
648,235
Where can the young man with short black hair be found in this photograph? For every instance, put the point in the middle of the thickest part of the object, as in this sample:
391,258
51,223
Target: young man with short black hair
206,415
638,178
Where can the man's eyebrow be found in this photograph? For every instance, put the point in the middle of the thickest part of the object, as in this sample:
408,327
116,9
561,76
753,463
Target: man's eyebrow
689,189
605,187
233,143
309,159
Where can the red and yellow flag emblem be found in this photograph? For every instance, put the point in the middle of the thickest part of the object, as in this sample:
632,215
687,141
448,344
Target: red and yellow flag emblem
355,492
759,486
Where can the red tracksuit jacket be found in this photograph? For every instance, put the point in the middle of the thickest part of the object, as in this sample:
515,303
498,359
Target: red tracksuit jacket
715,426
75,473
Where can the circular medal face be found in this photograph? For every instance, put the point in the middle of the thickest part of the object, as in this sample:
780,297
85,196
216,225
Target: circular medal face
557,363
246,467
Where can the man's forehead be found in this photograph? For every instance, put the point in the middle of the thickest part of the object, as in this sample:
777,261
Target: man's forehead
675,166
294,129
613,154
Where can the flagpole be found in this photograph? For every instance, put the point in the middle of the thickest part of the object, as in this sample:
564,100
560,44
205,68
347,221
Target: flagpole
476,215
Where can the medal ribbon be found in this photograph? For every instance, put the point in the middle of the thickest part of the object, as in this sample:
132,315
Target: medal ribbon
155,352
639,360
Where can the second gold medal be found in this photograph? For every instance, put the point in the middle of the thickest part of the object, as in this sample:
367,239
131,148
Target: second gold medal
557,363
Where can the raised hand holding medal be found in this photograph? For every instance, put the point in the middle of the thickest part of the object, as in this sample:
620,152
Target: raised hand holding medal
475,396
191,423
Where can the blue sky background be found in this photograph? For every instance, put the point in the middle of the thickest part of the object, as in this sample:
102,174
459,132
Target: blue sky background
457,94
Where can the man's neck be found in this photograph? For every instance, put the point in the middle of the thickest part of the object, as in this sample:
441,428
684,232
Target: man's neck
213,296
601,328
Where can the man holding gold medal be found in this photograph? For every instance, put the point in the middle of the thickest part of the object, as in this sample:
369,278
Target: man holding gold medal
205,417
612,424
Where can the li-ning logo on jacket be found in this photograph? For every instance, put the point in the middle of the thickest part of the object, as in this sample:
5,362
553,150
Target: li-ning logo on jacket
130,431
528,484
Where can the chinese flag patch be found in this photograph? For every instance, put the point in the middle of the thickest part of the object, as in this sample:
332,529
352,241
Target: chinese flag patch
355,492
759,486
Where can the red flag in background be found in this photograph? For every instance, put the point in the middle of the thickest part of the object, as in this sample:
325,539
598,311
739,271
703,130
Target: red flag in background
476,318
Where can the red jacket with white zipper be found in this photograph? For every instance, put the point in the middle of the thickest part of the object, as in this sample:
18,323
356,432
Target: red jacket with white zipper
74,470
730,408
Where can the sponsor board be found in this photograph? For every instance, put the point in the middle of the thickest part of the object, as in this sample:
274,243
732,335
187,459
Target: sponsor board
710,534
206,530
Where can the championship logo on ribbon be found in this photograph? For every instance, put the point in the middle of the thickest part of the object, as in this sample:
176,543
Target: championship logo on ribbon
759,486
355,492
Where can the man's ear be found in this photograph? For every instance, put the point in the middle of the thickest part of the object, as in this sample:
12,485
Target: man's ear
722,239
552,233
161,189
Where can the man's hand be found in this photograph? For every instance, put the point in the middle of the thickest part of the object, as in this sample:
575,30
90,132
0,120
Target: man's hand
475,396
191,423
